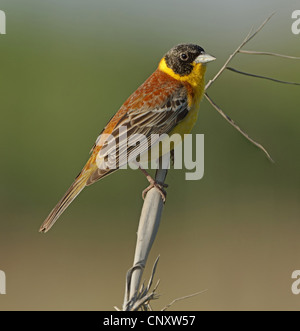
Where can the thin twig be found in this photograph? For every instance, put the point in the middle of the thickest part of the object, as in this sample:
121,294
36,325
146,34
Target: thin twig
182,298
231,122
128,283
260,27
262,77
269,53
142,301
245,41
225,66
152,274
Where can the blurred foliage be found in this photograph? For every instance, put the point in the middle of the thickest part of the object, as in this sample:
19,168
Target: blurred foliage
66,67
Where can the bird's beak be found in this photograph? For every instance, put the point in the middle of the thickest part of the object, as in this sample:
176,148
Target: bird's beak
204,58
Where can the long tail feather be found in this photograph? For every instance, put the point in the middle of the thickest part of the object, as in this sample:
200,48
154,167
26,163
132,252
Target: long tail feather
69,196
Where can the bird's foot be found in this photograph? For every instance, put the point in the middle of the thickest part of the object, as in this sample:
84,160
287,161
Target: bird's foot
159,186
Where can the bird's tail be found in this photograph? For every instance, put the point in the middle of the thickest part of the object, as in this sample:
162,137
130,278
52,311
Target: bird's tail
70,195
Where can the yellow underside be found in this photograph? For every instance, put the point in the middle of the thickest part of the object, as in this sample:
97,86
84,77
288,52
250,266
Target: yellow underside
196,80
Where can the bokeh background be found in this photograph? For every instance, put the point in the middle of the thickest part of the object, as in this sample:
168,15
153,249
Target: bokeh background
66,67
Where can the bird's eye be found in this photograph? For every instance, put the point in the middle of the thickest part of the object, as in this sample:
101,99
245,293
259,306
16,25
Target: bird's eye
183,56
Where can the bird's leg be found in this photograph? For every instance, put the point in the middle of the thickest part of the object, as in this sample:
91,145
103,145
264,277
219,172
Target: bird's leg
172,157
153,183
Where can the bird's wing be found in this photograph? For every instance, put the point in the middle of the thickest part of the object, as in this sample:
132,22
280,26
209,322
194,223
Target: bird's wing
165,108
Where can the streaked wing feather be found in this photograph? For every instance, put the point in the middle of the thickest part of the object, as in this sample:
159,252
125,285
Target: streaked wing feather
146,121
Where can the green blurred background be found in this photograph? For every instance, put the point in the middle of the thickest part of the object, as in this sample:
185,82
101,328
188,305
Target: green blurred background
66,67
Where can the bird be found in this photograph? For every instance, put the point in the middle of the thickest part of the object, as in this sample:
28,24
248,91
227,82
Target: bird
166,103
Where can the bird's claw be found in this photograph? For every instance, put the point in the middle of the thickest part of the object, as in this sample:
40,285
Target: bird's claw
159,186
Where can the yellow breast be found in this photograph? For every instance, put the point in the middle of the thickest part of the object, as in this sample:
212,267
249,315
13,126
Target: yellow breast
195,85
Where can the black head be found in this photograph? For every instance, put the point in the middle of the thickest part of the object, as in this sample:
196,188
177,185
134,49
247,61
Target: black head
181,57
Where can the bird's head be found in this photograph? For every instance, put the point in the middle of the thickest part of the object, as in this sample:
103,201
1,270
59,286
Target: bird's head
184,60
